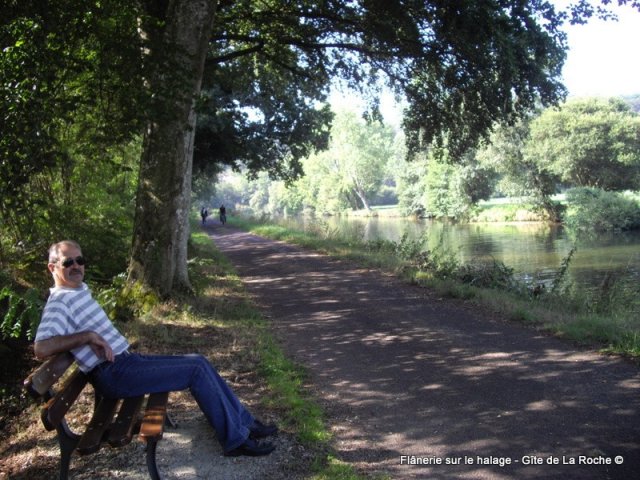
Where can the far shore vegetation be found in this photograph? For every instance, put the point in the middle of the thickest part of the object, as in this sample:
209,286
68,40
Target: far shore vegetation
578,165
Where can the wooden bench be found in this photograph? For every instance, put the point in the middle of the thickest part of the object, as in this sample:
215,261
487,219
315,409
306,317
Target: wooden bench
113,421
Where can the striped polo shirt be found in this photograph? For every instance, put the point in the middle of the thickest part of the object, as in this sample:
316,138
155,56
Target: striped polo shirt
73,310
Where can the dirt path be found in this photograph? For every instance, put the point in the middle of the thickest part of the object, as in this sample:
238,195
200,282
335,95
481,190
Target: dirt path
408,378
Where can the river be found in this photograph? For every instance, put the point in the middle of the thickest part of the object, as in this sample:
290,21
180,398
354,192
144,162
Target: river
535,251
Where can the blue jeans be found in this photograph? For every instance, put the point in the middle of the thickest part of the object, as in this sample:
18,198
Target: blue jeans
131,375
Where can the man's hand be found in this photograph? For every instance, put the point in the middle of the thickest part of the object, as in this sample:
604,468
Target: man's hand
101,348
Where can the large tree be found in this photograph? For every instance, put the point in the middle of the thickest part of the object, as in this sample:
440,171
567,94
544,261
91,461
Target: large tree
519,174
360,150
588,143
464,66
179,33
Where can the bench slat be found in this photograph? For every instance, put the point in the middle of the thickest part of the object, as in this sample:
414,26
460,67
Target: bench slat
98,425
154,417
42,379
123,428
54,411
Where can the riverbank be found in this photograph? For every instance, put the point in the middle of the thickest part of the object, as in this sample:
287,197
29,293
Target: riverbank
607,318
498,210
584,210
489,213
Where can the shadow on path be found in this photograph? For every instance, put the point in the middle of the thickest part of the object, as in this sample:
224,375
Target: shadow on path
406,377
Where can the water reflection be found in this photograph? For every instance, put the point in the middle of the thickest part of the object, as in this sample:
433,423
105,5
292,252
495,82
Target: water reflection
535,251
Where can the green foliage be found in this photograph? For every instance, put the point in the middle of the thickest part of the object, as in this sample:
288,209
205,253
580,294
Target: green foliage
448,287
479,63
514,212
443,197
456,102
72,105
440,187
616,293
22,314
360,150
440,198
347,175
519,175
85,200
409,249
125,301
596,210
560,284
437,260
633,101
283,126
495,275
65,64
520,314
411,186
351,172
588,143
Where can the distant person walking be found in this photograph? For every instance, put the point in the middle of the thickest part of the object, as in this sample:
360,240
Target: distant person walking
223,215
204,213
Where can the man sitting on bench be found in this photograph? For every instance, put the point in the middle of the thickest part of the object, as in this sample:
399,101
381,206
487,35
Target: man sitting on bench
73,321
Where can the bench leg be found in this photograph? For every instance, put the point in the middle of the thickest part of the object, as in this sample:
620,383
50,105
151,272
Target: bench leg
151,460
68,442
169,421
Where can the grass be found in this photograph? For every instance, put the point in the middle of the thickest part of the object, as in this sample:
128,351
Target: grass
334,469
569,314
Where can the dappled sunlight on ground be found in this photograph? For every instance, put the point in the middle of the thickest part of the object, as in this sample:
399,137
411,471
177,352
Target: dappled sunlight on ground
403,373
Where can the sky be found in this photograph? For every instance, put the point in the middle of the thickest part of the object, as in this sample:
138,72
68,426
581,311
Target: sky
603,57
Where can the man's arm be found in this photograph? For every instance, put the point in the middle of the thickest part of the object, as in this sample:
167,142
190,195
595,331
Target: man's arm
62,343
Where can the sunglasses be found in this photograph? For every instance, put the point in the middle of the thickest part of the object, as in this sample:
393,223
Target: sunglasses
69,261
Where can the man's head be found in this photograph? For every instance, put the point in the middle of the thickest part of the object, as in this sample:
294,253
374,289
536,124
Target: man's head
66,264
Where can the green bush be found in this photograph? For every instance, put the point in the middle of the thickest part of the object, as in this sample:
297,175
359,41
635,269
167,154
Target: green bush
21,313
596,210
489,275
123,302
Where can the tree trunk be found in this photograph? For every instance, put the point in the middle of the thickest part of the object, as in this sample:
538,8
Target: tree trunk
161,226
365,202
362,196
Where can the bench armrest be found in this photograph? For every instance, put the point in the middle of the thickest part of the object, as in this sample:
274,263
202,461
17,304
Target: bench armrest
42,379
56,408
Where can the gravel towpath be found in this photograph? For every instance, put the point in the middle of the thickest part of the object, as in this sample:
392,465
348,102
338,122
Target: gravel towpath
416,386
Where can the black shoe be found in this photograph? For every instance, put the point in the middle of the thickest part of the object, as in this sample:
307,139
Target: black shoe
260,430
251,448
